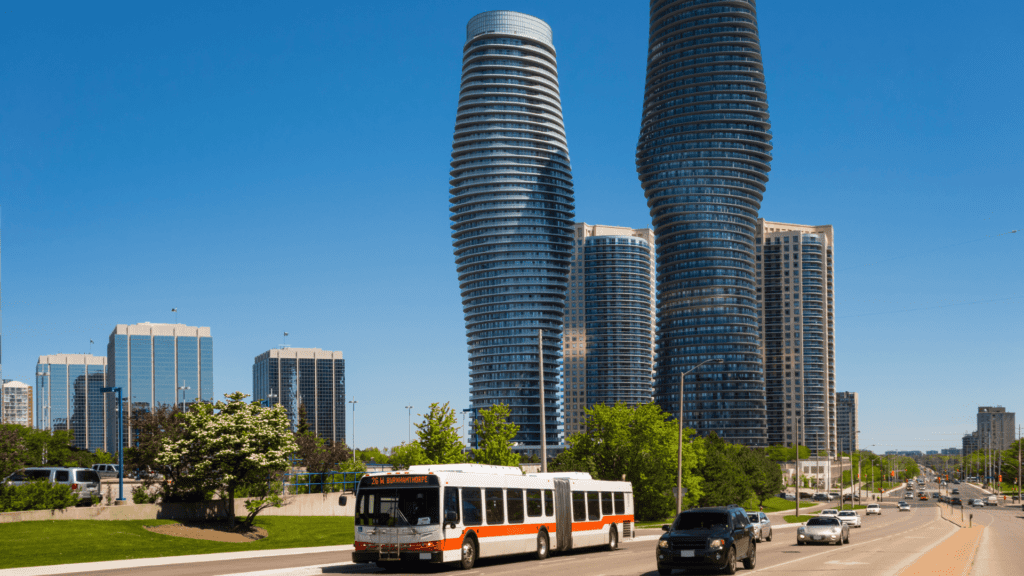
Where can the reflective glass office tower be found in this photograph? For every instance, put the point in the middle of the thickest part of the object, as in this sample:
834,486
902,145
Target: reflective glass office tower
512,210
609,327
703,159
68,397
157,364
308,377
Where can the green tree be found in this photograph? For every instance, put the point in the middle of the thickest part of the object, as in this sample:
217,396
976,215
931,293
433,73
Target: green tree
321,456
725,481
439,436
405,455
764,474
374,455
640,443
786,454
240,445
13,449
495,434
303,427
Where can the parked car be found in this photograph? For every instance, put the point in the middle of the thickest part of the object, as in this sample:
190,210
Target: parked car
762,525
106,470
873,509
85,482
707,537
829,530
849,517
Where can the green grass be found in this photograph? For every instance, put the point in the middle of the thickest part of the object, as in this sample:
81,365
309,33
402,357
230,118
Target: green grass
770,505
795,519
72,541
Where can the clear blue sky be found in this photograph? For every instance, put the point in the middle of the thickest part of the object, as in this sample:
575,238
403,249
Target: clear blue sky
268,168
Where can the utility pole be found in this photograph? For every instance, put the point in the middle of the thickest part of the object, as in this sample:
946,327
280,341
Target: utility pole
543,408
799,484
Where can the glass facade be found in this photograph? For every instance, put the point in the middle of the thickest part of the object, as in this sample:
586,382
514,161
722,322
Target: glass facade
512,209
703,158
309,377
69,398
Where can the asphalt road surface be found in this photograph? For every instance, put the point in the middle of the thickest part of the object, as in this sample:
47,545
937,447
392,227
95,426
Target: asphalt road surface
999,552
884,545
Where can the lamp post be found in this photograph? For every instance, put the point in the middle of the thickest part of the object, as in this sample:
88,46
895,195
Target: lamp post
183,396
679,461
355,454
120,441
543,407
410,423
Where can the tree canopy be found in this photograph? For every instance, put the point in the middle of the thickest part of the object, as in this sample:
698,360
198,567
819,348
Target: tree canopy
495,434
439,437
725,480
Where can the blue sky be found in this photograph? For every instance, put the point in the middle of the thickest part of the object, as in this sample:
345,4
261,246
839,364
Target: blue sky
267,169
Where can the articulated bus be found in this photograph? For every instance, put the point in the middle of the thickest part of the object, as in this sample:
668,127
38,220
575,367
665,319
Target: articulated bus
462,512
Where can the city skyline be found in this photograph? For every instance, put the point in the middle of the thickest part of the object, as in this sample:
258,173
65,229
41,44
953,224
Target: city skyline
916,169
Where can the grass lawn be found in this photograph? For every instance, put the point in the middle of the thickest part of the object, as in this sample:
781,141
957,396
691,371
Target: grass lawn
770,505
71,541
794,519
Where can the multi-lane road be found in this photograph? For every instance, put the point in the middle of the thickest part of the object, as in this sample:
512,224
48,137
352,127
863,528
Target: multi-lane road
884,545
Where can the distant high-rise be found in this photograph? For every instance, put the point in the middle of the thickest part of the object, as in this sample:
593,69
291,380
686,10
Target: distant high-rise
609,332
703,160
157,364
996,428
308,377
846,421
796,312
512,210
68,397
16,403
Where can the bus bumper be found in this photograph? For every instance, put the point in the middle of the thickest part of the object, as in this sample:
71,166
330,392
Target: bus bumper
362,557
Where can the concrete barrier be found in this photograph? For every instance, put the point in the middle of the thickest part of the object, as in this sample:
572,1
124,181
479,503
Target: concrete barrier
294,505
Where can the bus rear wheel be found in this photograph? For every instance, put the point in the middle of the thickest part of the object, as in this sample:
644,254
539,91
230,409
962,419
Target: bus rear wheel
468,553
543,545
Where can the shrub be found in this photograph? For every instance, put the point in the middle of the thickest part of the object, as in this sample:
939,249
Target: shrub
39,495
141,496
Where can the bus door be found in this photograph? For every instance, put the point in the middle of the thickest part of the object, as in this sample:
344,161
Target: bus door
563,514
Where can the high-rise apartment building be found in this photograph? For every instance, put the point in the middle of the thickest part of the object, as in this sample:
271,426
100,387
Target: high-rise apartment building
512,214
68,397
846,422
703,160
157,364
996,428
16,403
796,313
971,443
308,377
608,345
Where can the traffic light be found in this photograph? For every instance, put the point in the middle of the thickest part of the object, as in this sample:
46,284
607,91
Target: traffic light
1000,478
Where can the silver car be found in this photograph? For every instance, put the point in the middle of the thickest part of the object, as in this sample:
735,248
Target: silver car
85,482
823,530
106,470
762,526
849,517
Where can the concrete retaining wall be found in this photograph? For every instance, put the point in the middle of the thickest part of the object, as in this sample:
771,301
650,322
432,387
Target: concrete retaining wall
295,505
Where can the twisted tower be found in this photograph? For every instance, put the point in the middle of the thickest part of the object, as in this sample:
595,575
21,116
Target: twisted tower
703,160
512,211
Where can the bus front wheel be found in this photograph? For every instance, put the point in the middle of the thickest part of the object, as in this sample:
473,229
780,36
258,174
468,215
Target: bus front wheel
469,553
543,545
613,539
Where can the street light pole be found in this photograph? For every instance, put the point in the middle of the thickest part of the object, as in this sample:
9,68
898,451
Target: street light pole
183,395
679,461
543,408
355,455
410,423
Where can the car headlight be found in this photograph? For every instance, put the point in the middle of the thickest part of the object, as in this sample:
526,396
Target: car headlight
662,543
716,544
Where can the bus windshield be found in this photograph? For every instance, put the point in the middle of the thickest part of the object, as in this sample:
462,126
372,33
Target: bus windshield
397,507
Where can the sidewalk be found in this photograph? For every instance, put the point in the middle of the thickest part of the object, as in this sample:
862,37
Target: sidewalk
165,561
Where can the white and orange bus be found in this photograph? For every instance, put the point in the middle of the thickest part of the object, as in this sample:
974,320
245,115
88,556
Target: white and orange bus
462,512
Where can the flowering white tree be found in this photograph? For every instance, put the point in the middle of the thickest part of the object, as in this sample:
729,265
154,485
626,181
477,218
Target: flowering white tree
231,445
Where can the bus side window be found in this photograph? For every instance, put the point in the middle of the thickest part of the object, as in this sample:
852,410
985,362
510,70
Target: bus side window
594,512
549,503
514,504
579,507
620,503
606,504
495,505
534,507
451,503
471,509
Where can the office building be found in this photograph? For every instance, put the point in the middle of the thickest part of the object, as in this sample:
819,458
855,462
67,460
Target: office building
608,345
703,159
846,422
68,397
512,214
16,403
950,451
971,443
308,377
996,427
796,313
157,365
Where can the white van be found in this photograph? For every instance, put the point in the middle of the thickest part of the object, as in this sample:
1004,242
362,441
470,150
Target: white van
992,501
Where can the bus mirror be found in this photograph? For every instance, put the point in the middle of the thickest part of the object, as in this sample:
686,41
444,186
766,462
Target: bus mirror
342,500
451,517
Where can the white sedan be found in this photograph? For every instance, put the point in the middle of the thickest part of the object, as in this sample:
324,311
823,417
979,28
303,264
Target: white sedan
850,517
903,507
873,509
829,512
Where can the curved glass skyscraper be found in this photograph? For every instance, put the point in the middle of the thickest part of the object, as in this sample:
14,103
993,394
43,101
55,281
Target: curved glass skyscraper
703,160
512,214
